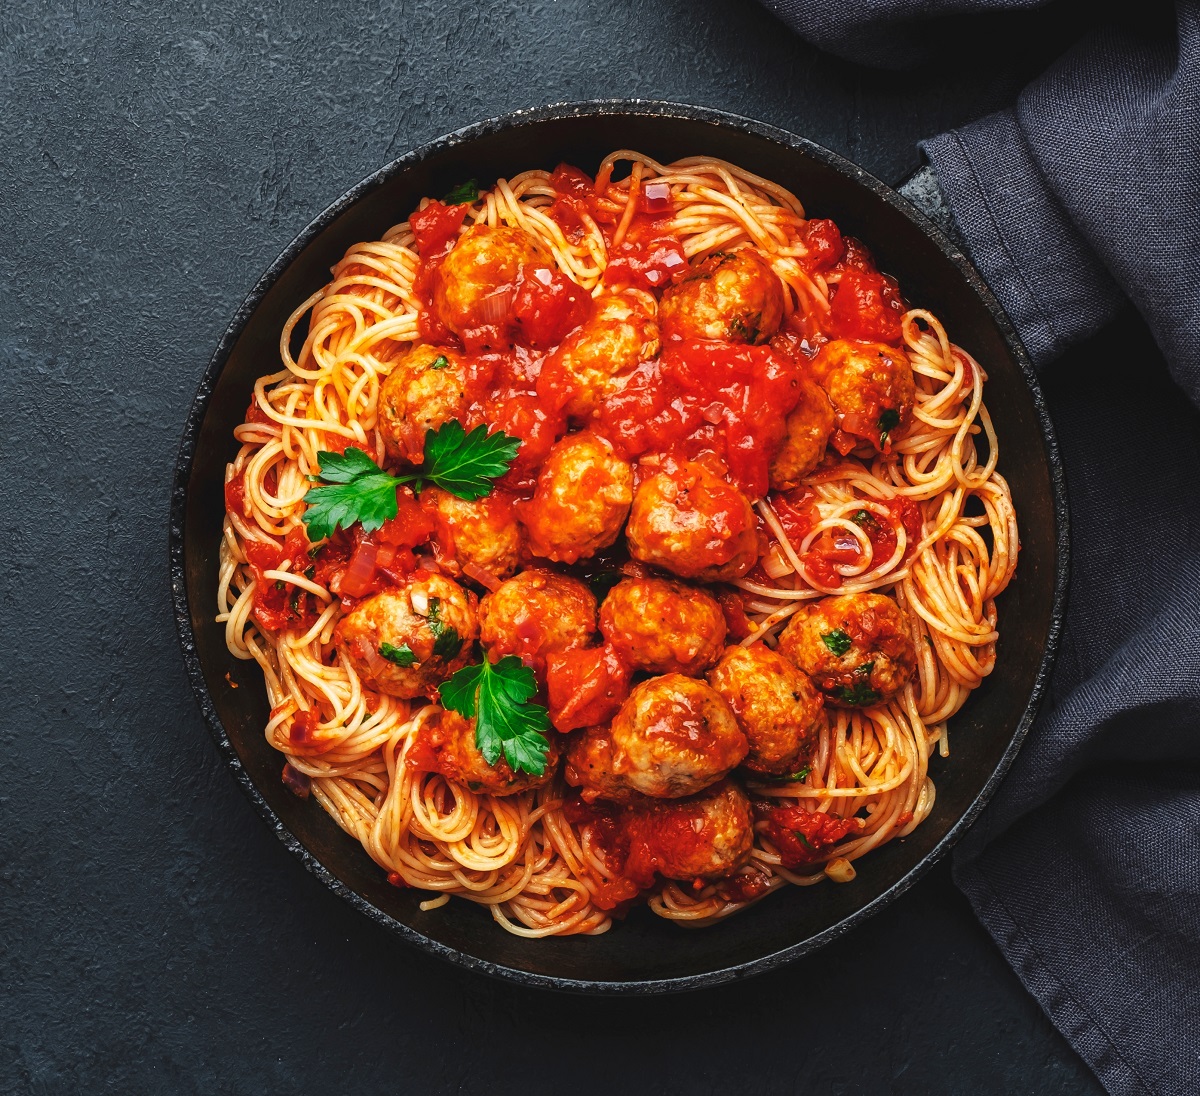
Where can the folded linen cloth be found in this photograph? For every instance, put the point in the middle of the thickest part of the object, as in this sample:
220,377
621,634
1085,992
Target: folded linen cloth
1083,196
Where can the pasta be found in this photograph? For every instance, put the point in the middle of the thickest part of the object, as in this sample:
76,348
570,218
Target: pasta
904,502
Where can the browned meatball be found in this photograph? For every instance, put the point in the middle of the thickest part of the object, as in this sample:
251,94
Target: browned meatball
856,648
621,333
809,425
426,388
706,836
663,626
776,706
871,388
406,642
693,523
482,534
446,744
535,614
674,736
473,287
731,295
581,501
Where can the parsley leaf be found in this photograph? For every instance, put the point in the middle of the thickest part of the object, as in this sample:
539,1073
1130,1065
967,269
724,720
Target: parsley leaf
860,694
463,193
837,641
789,778
888,421
357,489
440,362
401,656
464,464
446,640
864,519
807,844
497,696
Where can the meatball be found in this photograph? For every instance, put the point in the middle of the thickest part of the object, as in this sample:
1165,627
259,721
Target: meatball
473,287
481,534
426,388
446,744
809,425
405,642
621,333
856,648
731,295
776,706
673,737
870,386
706,836
663,626
535,614
581,500
693,523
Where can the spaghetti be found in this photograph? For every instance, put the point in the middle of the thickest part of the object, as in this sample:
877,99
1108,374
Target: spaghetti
924,518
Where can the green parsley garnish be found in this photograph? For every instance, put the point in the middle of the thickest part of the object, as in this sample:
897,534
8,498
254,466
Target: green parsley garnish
790,778
746,327
805,840
837,641
860,694
888,421
446,640
357,489
440,362
864,519
401,656
464,464
497,696
463,193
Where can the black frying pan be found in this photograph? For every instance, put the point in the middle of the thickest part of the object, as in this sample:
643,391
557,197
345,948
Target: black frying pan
643,953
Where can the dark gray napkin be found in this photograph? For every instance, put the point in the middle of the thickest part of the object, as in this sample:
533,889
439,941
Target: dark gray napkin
1085,195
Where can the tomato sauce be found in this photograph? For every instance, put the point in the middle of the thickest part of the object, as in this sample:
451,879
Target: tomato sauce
699,398
802,836
865,304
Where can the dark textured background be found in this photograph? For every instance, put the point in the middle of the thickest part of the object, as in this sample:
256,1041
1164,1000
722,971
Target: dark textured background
154,937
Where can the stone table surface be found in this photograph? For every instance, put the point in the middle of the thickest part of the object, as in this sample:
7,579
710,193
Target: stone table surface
154,936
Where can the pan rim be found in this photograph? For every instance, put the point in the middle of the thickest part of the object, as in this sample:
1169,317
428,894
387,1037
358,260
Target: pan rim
241,318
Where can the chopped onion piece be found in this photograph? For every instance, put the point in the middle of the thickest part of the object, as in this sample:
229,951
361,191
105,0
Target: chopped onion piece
481,575
775,564
356,582
656,197
494,308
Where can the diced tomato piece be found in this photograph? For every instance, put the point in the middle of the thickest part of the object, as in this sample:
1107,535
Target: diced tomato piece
908,513
803,836
411,526
585,687
235,495
436,226
737,623
547,306
568,180
820,569
860,310
796,511
824,243
648,257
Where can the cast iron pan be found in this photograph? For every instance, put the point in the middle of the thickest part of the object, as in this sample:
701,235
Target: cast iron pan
643,953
